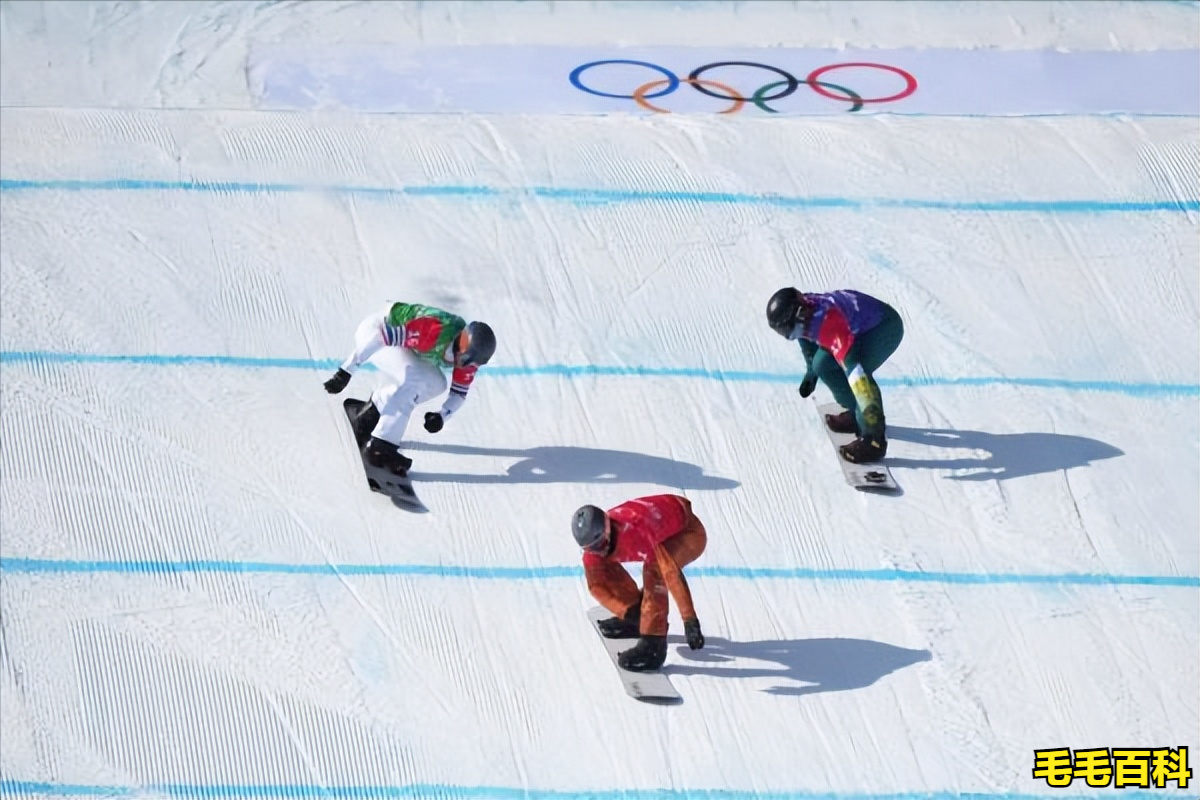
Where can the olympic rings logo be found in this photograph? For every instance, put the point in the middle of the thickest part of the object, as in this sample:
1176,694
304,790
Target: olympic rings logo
761,98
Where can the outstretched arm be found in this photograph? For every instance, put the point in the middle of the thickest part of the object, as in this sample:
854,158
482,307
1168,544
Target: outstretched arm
810,351
368,345
460,383
370,337
677,585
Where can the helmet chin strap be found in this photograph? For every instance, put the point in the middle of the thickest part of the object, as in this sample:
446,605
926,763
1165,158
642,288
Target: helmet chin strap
804,311
455,349
610,540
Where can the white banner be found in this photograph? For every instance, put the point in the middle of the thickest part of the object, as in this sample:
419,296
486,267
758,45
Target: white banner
736,81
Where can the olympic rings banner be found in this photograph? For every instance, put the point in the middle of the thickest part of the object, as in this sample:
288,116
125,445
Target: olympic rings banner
773,91
736,83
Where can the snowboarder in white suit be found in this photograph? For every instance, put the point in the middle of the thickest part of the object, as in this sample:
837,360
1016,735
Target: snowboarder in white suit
413,344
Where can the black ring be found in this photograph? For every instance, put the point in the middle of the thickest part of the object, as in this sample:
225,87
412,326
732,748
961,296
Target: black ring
793,82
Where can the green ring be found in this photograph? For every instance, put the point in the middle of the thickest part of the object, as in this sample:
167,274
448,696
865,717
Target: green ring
852,96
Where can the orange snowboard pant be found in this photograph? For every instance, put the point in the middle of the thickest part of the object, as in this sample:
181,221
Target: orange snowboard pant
661,575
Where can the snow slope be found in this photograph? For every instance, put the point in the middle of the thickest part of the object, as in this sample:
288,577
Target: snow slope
199,597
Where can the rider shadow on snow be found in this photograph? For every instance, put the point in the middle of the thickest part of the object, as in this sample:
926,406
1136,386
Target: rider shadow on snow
575,465
1012,455
809,665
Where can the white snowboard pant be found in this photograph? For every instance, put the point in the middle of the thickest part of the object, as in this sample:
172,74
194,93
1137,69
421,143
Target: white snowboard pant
408,379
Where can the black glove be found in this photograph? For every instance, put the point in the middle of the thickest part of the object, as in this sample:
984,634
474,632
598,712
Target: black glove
338,381
695,638
808,384
434,422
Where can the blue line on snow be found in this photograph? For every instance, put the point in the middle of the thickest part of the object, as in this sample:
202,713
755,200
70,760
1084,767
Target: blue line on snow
37,566
586,370
581,196
450,792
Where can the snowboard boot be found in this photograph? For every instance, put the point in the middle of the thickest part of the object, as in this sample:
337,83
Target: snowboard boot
842,423
865,450
622,627
647,655
387,456
365,421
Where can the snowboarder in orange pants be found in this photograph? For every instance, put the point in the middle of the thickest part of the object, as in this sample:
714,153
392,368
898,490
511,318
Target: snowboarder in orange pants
664,534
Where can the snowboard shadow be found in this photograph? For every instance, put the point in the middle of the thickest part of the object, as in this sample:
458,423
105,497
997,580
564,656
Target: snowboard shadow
575,465
809,665
1012,455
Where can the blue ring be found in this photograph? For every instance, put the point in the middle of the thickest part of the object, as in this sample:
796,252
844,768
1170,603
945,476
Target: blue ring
672,78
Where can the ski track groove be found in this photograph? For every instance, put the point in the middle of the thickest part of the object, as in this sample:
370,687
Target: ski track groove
1173,167
264,143
960,711
163,721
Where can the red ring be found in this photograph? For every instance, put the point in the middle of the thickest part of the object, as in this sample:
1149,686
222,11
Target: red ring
909,81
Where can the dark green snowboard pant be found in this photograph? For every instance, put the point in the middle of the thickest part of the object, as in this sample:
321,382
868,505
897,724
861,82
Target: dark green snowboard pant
854,386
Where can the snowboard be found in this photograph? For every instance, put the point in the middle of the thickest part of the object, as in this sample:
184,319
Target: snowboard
649,687
400,490
866,477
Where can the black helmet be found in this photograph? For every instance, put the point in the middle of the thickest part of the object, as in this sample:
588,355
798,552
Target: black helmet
590,527
480,345
783,309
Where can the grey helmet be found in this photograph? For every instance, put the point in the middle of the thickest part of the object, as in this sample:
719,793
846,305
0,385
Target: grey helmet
481,345
590,527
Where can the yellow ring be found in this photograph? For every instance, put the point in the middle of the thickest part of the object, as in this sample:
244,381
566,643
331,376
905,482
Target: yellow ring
639,94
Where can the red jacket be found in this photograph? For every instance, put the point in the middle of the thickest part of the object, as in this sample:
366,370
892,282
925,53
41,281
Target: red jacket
641,526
